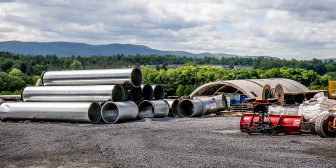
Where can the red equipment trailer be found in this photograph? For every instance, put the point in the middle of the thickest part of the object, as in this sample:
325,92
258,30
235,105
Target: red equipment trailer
261,122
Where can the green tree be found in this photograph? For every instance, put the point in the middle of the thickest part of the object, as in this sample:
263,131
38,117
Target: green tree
76,65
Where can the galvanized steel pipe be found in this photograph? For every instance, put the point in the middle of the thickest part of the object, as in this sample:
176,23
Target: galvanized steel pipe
158,92
113,112
191,108
153,109
51,111
129,77
221,102
209,105
173,107
98,93
147,92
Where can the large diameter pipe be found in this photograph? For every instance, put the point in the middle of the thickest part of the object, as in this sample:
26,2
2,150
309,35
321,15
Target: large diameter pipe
113,112
221,102
94,93
153,109
158,92
191,108
51,111
129,77
173,104
147,92
209,105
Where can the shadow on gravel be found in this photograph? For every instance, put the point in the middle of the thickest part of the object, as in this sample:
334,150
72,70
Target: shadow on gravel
327,151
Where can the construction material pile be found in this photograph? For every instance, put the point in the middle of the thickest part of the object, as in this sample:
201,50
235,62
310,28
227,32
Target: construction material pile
108,95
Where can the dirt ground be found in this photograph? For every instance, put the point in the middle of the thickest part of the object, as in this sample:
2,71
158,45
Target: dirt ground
166,142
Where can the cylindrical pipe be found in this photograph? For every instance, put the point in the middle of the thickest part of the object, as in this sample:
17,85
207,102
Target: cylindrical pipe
153,109
158,92
129,77
135,94
209,105
173,104
97,93
221,102
51,111
147,92
113,112
191,108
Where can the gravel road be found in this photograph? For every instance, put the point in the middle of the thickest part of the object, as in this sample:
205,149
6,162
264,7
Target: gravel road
166,142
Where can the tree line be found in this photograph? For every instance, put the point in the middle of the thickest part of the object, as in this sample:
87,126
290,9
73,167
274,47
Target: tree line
17,71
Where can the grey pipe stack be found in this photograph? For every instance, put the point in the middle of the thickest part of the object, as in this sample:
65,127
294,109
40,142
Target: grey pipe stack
191,108
135,94
147,92
153,109
129,77
221,102
158,92
113,112
209,105
173,104
94,93
51,111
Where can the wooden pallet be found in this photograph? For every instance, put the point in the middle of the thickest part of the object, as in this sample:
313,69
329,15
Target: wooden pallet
228,113
242,108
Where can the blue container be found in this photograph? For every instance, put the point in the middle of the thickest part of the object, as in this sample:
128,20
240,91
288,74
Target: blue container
236,98
242,99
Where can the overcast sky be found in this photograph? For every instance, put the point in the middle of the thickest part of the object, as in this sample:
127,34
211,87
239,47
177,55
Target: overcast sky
290,29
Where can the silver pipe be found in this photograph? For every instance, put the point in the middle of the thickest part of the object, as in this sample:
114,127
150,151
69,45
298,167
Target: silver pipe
221,102
129,77
97,93
173,103
209,105
51,111
147,92
158,92
153,109
135,94
113,112
191,108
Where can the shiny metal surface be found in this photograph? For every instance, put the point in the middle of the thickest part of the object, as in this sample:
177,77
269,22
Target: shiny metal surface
221,102
113,112
129,77
147,92
135,94
94,93
158,92
191,108
173,107
209,105
153,109
51,111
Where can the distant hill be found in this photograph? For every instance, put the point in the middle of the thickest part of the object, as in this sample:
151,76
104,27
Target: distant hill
67,49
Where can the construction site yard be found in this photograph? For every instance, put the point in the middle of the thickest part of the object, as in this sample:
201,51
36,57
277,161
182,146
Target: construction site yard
158,142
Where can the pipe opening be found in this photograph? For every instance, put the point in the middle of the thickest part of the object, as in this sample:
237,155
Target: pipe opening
118,93
158,92
147,92
136,94
146,109
185,108
136,77
110,113
94,112
174,108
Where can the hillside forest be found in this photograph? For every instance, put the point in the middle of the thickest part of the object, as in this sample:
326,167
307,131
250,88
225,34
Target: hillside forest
18,71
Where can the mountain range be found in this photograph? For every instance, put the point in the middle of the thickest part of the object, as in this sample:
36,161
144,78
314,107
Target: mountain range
67,49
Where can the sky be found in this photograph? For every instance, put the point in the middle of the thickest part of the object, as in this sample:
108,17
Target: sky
288,29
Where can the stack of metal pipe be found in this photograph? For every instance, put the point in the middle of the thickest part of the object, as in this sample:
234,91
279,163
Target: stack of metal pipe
78,95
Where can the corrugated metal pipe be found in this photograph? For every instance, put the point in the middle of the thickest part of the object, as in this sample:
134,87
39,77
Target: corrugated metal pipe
191,108
129,77
209,105
173,107
51,111
135,94
94,93
113,112
158,92
221,102
153,109
147,92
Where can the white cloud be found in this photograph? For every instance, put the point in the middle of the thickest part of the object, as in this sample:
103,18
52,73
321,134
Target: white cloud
285,28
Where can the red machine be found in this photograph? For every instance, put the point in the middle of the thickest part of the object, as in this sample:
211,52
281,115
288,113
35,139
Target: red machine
261,122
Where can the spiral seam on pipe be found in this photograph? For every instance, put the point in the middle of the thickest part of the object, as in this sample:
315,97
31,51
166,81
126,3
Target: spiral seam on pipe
113,112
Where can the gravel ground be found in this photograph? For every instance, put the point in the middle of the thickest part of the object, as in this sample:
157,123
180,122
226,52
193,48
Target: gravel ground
167,142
